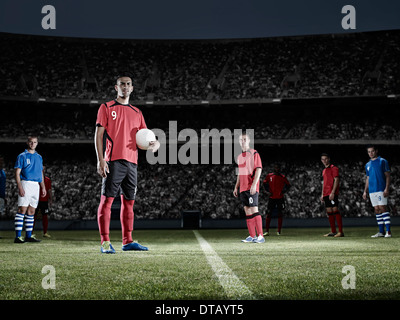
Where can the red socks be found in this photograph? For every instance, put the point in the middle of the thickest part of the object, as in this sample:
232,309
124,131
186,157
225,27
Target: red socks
126,217
268,222
335,217
331,218
104,217
254,224
338,218
45,222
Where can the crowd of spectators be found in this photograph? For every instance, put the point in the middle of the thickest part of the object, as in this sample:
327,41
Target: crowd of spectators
164,191
285,67
323,121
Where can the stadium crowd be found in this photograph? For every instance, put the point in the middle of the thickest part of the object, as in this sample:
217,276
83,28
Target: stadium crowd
351,65
356,64
164,191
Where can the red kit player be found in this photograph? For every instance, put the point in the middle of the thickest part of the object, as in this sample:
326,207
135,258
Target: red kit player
330,196
276,185
118,121
248,182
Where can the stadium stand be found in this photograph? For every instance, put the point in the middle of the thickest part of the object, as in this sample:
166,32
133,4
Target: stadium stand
64,81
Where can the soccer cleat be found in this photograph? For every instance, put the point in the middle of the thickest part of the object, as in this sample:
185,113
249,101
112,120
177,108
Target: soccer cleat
31,239
46,235
19,240
338,235
330,234
259,239
278,233
106,247
266,234
249,239
134,246
388,234
378,235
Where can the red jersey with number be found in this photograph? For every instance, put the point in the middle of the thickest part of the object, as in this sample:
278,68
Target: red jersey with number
121,122
248,162
329,174
276,183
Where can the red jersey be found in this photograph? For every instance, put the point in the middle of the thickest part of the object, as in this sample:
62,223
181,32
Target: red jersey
248,162
47,185
121,122
329,174
275,183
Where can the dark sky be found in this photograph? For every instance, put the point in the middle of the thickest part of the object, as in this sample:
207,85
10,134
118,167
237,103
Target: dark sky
193,19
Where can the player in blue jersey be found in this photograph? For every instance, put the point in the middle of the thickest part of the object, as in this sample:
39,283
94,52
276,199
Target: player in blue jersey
377,184
29,177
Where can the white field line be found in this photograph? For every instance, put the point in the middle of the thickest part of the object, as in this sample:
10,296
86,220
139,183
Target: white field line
234,288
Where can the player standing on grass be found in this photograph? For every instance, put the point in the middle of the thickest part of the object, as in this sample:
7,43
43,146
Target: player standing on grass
248,182
330,196
29,177
276,185
377,184
118,121
45,204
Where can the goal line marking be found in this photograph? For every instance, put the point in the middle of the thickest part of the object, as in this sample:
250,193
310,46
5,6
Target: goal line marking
233,286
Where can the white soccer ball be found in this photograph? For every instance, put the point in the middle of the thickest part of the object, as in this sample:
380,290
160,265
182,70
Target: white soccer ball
144,137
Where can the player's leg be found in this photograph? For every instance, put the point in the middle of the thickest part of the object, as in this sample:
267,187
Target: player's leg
110,189
375,201
253,214
268,215
253,217
251,227
280,207
385,215
338,217
29,223
331,217
129,187
45,223
19,222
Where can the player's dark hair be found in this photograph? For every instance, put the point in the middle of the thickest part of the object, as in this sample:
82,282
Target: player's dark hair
372,146
325,155
122,75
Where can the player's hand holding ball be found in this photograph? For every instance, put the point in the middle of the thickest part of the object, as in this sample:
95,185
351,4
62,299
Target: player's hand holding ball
146,140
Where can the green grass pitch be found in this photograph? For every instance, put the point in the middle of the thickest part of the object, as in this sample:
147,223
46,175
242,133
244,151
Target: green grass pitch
300,264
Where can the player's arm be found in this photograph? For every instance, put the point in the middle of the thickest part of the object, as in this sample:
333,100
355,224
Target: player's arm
266,186
366,188
286,186
257,176
388,179
102,166
335,186
21,191
235,190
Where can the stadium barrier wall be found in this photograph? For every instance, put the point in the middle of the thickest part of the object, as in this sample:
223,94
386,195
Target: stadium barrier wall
205,224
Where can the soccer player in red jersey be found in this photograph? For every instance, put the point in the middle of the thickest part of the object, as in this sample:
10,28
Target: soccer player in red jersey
275,184
330,196
118,121
248,182
45,204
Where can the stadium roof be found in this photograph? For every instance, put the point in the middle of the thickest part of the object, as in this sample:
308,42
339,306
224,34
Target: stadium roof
195,19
